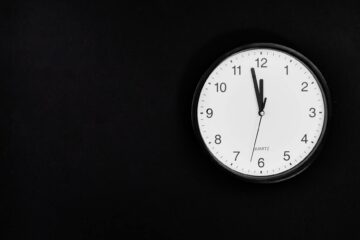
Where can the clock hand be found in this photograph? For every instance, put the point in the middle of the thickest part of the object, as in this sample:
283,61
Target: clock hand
257,91
257,133
261,89
263,101
263,106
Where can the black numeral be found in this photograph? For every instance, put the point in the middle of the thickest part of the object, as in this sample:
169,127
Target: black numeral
236,70
218,139
286,155
287,70
304,86
236,154
261,162
312,112
209,113
220,87
261,62
304,139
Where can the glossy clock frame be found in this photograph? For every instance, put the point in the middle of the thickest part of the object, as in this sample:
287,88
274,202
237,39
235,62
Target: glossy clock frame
314,152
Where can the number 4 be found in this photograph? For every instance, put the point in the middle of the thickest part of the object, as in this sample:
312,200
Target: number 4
304,139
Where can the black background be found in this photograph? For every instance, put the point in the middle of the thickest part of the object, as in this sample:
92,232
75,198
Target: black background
96,137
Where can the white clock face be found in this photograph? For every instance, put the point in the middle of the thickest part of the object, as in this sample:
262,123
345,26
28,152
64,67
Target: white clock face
261,112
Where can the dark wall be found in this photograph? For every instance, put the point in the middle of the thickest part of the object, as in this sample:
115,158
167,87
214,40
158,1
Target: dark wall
96,137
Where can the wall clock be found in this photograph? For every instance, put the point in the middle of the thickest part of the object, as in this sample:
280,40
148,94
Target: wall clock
261,112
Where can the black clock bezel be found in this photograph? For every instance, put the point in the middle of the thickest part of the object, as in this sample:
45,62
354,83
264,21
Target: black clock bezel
326,96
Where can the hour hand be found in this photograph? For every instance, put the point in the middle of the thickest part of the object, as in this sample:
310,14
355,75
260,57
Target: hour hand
263,106
263,101
261,90
256,88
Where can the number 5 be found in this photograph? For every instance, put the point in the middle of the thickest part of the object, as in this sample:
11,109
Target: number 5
286,155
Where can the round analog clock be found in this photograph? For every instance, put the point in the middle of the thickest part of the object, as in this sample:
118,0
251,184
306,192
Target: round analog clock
261,112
